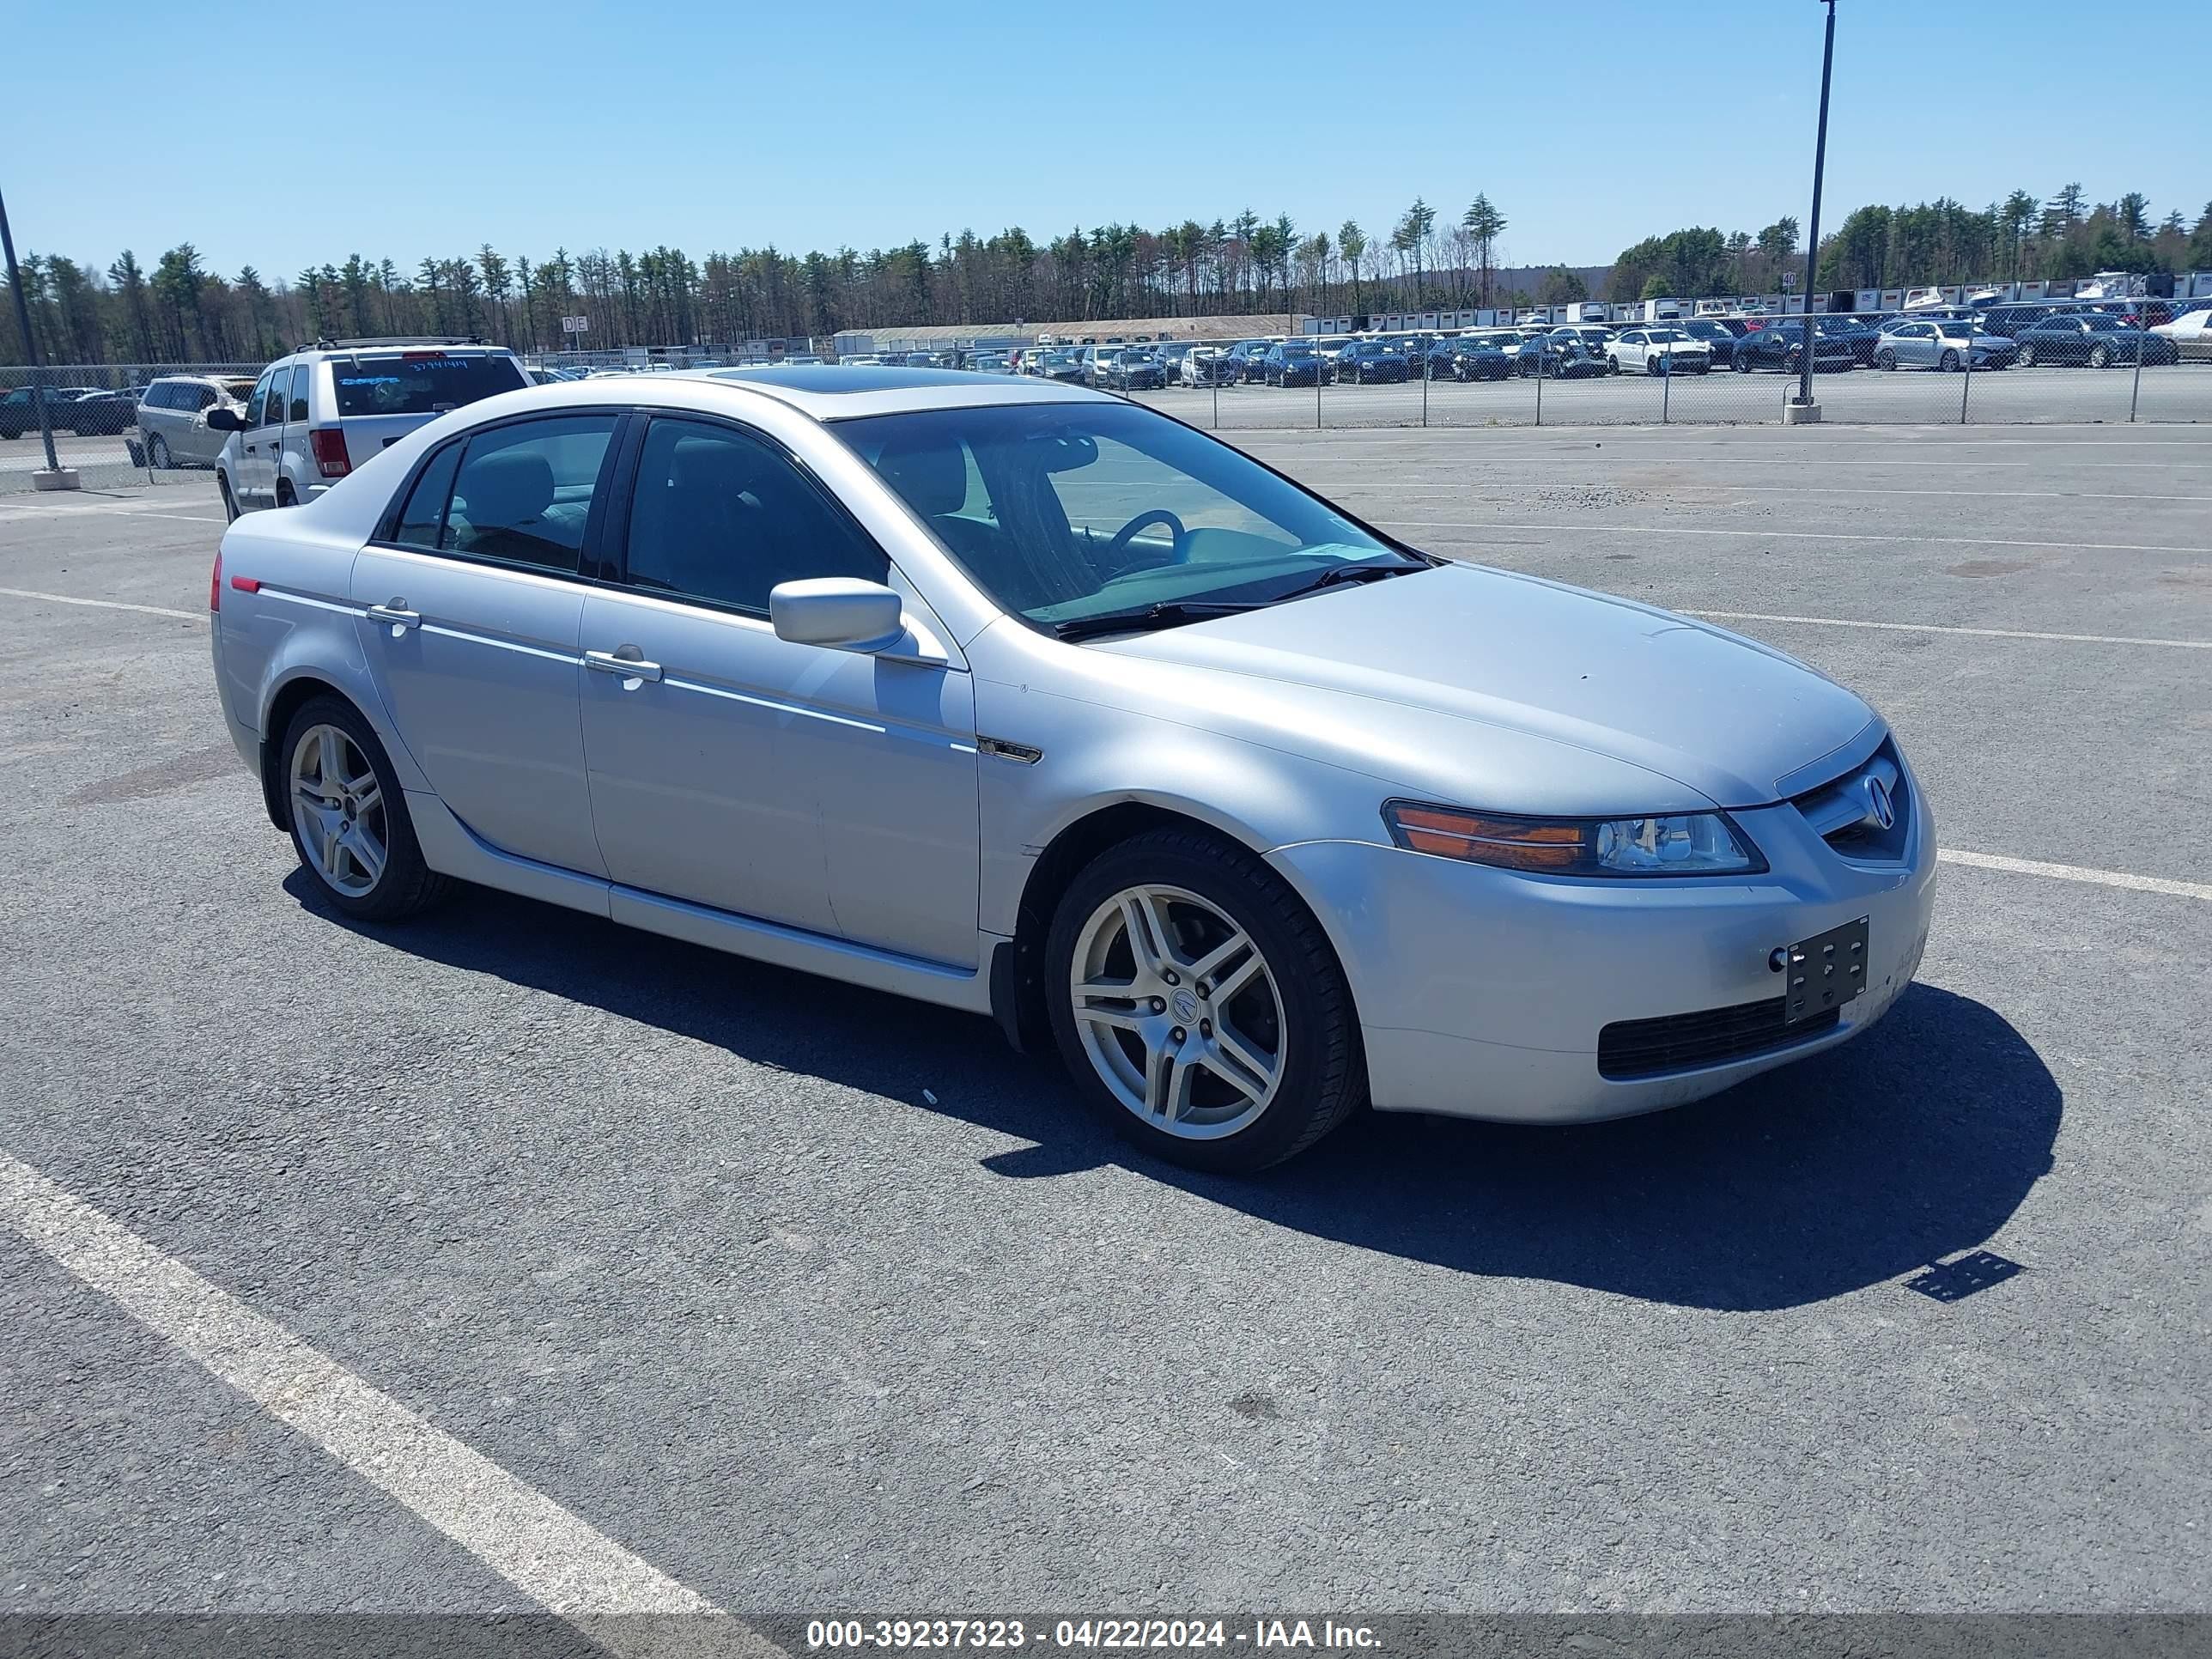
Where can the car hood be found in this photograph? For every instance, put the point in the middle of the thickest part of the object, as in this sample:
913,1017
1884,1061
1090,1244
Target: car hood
1721,715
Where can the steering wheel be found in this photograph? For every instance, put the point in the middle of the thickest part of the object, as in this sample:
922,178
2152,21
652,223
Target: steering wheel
1178,554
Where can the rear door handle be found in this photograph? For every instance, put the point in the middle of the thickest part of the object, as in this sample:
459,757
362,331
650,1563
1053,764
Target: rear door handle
632,666
396,612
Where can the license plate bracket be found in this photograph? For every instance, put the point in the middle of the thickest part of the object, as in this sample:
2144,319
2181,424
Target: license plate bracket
1825,971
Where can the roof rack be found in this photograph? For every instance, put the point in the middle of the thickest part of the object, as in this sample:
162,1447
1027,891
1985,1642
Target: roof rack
328,344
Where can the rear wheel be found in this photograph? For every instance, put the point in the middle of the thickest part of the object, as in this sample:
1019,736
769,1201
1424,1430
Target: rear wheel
1198,1005
1742,361
349,816
2100,356
1885,359
1949,364
2026,358
157,454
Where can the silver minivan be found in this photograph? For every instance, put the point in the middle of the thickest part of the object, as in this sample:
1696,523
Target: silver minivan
315,416
172,417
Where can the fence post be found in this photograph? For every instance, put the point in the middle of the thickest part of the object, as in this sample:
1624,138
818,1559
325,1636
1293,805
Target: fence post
1967,387
1425,386
2135,396
1666,383
1213,375
1539,387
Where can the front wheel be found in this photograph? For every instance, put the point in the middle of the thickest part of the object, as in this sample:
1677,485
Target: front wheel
349,816
1198,1005
229,502
1743,363
2026,358
2100,357
1885,359
1949,362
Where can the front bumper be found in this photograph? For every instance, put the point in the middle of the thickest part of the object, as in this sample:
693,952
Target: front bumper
1481,993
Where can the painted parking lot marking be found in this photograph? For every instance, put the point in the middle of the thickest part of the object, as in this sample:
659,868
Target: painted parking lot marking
541,1549
102,604
2195,890
1934,628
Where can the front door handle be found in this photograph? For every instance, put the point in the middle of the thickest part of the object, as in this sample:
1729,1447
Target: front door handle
625,660
395,611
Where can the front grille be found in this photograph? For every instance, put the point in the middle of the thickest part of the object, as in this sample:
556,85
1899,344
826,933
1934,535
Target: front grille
1682,1042
1841,811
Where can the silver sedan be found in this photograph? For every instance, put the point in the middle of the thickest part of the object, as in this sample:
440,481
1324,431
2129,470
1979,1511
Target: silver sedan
1032,703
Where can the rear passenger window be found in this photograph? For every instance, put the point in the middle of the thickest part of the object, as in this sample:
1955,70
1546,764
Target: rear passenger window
524,492
424,515
722,516
203,396
299,398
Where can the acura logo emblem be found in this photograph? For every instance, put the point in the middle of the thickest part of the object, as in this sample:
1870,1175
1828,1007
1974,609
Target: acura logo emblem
1880,812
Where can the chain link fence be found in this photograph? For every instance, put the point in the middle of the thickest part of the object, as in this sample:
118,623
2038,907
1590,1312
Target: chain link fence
2080,363
119,425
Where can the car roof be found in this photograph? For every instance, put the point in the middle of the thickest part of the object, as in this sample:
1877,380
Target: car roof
838,391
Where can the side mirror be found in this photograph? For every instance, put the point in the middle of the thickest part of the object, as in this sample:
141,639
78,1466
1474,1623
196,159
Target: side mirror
838,611
223,419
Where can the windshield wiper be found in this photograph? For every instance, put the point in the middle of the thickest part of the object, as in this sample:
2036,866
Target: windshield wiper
1352,573
1168,613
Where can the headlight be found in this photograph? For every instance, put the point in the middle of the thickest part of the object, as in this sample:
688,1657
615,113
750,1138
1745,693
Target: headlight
1673,844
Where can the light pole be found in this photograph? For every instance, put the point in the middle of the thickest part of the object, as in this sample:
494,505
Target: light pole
30,356
1812,230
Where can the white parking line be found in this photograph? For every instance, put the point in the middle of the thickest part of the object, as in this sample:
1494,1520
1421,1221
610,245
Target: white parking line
542,1549
103,605
1795,535
2195,890
1934,628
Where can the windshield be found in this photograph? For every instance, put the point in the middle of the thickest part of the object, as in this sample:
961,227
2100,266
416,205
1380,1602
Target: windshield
419,383
2102,323
1667,334
1064,513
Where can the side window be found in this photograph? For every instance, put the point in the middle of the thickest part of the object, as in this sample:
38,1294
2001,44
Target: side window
722,516
202,396
266,406
524,492
298,400
424,515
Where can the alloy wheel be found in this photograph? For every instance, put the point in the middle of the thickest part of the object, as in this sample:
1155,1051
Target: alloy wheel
338,807
1178,1011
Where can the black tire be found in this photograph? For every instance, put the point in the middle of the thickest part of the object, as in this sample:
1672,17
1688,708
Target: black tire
229,504
1886,359
2100,357
1948,363
2026,358
408,886
157,453
284,496
1325,1071
1742,362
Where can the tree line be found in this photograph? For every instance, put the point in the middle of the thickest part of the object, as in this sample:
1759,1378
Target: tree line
180,311
1933,244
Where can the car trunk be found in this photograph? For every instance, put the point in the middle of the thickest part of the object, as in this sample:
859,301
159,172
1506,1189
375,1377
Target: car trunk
382,395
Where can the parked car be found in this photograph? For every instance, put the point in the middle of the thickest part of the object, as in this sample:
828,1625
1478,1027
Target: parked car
1428,837
1057,363
2189,334
990,362
1781,346
1658,349
1132,368
1862,336
2091,339
1295,363
316,415
1559,357
2007,320
1920,342
19,411
173,417
1365,362
1596,338
1414,348
1206,365
1718,336
1249,359
102,414
1482,356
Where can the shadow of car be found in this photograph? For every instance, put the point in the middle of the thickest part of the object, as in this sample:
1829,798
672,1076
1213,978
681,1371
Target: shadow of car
1856,1166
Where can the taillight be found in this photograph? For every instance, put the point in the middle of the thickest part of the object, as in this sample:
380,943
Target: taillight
215,583
329,444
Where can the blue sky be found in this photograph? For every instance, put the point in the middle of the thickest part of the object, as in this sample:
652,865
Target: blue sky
403,130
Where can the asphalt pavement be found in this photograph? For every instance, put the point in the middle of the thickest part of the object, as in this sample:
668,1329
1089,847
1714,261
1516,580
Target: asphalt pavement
803,1300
